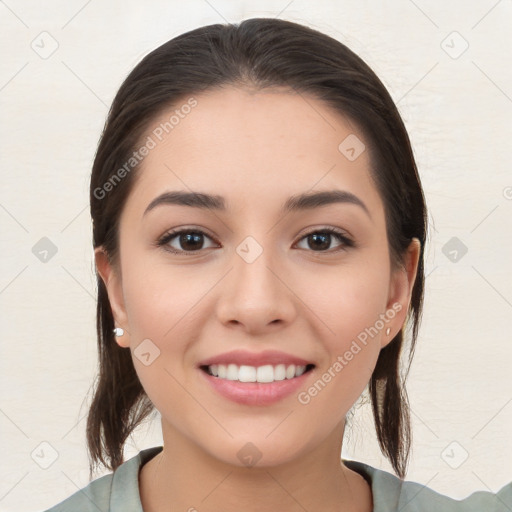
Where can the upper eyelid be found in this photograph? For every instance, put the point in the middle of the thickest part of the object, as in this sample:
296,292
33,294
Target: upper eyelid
186,229
171,234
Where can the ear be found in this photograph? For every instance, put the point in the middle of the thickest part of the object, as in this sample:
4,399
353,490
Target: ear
112,279
400,290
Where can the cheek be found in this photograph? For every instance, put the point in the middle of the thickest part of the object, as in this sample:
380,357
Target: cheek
351,307
357,320
160,299
162,324
346,301
163,306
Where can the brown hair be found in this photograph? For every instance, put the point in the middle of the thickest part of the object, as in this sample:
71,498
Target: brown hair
259,53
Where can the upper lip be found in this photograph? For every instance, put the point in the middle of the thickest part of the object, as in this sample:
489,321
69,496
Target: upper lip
243,357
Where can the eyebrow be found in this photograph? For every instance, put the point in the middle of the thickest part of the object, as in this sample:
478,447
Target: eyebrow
305,201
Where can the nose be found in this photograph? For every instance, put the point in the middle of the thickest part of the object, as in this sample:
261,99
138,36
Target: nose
255,295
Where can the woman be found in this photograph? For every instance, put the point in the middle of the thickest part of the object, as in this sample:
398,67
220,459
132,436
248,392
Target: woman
259,228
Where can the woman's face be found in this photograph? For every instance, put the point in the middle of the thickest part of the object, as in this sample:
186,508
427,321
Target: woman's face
263,280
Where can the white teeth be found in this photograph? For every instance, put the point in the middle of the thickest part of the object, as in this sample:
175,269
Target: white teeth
222,371
280,372
299,371
266,373
246,373
232,372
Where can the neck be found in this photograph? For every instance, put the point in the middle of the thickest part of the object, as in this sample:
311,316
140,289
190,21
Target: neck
185,477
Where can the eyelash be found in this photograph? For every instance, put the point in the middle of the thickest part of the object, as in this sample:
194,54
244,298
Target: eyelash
346,242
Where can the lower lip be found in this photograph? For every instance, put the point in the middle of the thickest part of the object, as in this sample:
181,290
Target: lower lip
256,393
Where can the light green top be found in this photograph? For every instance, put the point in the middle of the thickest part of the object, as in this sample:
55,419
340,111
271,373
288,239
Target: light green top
119,492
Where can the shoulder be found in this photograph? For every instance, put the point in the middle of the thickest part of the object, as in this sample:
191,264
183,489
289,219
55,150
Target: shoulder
115,492
95,497
391,494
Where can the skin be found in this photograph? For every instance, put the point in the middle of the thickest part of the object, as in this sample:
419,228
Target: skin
256,149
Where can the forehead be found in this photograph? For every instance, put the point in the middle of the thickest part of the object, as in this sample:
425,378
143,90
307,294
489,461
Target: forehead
254,146
270,124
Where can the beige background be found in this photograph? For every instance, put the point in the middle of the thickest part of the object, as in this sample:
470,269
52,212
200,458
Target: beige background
457,106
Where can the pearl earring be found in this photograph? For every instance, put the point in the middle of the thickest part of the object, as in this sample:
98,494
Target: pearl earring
388,330
118,331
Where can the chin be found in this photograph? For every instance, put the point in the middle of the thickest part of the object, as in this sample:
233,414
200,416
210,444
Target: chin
260,452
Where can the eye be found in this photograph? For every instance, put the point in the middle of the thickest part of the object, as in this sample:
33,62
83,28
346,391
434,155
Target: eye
190,240
322,238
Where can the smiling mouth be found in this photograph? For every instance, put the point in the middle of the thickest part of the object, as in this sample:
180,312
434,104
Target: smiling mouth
262,374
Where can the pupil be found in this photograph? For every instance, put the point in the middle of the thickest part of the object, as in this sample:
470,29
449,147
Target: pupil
188,238
325,237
